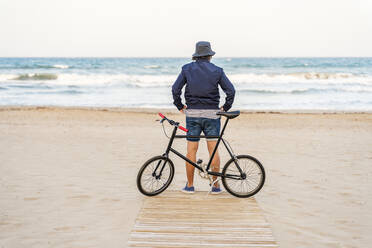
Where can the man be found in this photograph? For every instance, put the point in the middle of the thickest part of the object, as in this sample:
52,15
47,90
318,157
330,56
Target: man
202,103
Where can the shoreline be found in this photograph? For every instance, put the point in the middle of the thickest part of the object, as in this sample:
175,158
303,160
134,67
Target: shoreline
173,110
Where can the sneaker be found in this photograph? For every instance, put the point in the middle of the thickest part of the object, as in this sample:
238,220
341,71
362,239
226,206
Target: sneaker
188,190
216,191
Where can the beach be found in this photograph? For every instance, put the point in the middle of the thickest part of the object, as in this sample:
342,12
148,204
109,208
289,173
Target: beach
68,175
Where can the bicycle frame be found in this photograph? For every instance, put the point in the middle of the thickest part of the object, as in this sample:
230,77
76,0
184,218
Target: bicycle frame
170,149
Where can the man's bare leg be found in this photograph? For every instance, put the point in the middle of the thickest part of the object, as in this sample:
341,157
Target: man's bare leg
192,148
216,159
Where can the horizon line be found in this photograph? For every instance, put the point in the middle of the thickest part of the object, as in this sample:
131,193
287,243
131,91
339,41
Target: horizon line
181,57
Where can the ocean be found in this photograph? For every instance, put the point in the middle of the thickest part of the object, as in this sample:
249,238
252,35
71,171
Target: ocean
324,84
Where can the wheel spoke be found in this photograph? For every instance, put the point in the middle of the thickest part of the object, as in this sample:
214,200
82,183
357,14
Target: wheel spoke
149,183
253,177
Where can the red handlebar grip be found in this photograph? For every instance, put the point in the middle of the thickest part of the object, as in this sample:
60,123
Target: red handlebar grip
161,115
183,129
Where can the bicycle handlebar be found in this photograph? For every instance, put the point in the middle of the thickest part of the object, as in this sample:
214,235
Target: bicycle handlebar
173,123
161,115
183,129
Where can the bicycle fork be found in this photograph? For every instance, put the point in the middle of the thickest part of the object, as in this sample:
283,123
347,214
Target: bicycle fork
165,155
154,174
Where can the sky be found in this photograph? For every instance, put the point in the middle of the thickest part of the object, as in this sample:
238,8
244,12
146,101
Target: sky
170,28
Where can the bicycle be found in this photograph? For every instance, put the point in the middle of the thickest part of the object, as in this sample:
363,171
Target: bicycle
242,176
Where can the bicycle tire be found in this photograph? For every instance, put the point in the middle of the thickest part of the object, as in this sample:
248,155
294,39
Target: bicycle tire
256,167
142,186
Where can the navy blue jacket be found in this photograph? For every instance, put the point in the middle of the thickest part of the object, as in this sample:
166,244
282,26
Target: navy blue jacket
202,79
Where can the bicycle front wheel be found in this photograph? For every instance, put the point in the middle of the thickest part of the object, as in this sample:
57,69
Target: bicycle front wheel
248,181
155,175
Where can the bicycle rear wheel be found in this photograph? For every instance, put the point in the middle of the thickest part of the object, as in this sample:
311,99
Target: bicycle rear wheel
246,184
155,175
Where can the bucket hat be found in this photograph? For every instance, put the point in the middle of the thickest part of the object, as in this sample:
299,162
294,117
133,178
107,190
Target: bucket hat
203,48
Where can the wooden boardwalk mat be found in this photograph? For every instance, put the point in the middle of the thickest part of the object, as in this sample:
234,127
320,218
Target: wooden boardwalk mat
174,219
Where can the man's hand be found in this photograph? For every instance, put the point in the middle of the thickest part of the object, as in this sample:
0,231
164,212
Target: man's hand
183,109
222,110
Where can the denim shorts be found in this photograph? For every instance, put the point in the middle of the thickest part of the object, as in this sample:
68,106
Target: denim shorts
195,125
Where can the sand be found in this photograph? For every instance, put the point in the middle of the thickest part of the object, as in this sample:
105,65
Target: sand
68,176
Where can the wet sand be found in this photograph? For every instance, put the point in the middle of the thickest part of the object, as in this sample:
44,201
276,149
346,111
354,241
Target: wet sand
67,175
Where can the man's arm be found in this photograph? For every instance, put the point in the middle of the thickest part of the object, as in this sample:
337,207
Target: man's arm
177,90
228,88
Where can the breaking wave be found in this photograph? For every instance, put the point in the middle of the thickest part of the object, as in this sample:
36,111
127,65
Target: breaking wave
29,86
36,76
159,81
68,92
152,66
299,64
61,66
57,66
305,91
300,77
316,75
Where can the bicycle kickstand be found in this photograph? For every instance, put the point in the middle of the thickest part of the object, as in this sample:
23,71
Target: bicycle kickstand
212,183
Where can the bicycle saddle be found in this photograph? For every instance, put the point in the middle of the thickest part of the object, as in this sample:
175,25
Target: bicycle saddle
229,115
